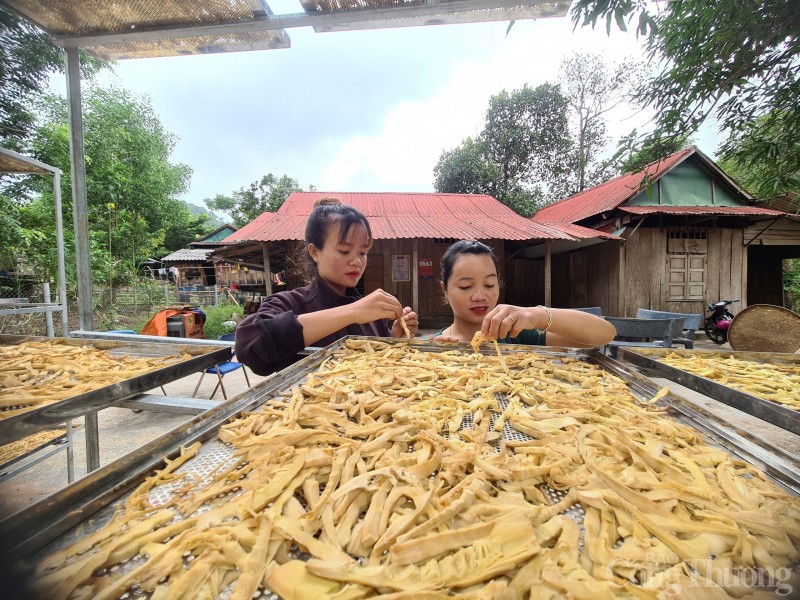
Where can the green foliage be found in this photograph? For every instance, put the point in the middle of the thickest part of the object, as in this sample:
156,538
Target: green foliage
735,60
762,159
464,170
27,60
632,156
791,283
217,316
265,195
185,230
520,148
131,185
526,135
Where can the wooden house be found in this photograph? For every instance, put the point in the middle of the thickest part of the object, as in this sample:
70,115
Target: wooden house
411,232
196,269
690,236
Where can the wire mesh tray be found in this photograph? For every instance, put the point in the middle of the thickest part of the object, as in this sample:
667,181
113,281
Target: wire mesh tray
39,417
215,455
773,412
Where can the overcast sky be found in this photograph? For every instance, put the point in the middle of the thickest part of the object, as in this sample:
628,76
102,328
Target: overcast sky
355,111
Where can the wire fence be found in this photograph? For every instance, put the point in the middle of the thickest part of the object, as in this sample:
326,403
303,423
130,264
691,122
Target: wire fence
124,307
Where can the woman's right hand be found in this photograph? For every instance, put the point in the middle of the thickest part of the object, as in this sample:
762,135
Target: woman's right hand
377,305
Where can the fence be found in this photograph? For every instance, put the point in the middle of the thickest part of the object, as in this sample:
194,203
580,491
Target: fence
128,307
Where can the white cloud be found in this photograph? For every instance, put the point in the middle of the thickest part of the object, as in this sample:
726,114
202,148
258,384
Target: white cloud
413,135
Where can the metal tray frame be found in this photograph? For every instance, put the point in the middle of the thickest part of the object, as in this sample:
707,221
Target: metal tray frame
34,420
771,412
44,522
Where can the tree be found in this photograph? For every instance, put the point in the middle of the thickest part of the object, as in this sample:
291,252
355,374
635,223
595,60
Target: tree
27,59
265,195
131,185
738,61
185,230
464,170
762,159
526,137
632,156
592,90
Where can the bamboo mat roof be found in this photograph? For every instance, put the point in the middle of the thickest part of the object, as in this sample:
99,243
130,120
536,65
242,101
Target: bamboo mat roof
150,28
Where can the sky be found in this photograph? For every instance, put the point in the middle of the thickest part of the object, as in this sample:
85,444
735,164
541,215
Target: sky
356,111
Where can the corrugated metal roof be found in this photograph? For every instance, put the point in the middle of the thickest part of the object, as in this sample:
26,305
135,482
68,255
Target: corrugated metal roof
11,162
609,195
702,210
188,255
405,215
148,28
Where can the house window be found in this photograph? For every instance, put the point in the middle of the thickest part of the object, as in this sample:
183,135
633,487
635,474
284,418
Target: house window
444,241
686,264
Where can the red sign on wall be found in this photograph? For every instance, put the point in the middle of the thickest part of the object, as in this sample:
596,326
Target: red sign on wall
426,268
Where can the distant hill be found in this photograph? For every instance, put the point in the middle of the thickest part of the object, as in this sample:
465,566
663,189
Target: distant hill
213,220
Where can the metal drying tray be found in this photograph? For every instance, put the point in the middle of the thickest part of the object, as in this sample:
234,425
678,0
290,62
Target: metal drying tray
89,503
42,417
771,412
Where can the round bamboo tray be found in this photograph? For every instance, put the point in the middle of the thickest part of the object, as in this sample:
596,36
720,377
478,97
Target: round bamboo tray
765,328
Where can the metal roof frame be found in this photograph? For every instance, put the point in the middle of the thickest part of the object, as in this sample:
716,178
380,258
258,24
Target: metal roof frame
179,27
139,28
18,164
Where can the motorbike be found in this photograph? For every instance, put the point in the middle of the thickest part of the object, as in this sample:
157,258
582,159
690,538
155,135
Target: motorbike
717,323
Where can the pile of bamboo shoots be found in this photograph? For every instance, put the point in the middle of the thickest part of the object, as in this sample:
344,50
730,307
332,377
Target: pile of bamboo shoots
777,382
34,374
363,481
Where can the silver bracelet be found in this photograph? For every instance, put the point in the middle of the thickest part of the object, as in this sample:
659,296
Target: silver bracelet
549,319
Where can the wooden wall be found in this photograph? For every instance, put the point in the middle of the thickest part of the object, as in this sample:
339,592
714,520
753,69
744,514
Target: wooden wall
786,232
621,279
431,306
581,278
644,260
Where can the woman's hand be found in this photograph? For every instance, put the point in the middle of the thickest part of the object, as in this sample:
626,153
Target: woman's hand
505,319
377,305
411,322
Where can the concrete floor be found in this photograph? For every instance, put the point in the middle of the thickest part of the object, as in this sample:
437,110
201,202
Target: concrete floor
123,430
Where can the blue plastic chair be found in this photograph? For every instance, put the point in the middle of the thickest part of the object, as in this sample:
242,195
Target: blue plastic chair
223,369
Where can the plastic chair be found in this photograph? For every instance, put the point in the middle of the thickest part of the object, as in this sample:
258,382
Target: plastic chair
132,332
223,369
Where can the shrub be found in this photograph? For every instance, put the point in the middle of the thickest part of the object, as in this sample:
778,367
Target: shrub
218,319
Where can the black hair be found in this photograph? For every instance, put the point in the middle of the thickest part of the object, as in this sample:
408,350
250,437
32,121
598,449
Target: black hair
326,213
458,249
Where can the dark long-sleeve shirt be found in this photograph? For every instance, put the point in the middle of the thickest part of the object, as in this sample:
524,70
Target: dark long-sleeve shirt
270,339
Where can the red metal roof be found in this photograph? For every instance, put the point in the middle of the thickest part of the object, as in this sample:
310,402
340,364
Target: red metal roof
702,210
406,215
607,196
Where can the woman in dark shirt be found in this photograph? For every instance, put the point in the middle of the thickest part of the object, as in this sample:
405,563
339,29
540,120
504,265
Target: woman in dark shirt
472,288
338,238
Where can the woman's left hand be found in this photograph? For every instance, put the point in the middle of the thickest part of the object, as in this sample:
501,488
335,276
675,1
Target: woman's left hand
411,322
505,319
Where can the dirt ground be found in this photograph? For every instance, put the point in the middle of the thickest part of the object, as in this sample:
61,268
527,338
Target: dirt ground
122,430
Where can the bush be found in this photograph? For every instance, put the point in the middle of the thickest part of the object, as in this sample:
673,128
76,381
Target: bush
218,316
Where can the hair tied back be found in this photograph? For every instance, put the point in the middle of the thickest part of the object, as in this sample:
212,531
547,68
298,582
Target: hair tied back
327,202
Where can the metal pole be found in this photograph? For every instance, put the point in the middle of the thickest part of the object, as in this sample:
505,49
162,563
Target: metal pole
62,274
80,213
70,453
92,433
48,316
267,273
